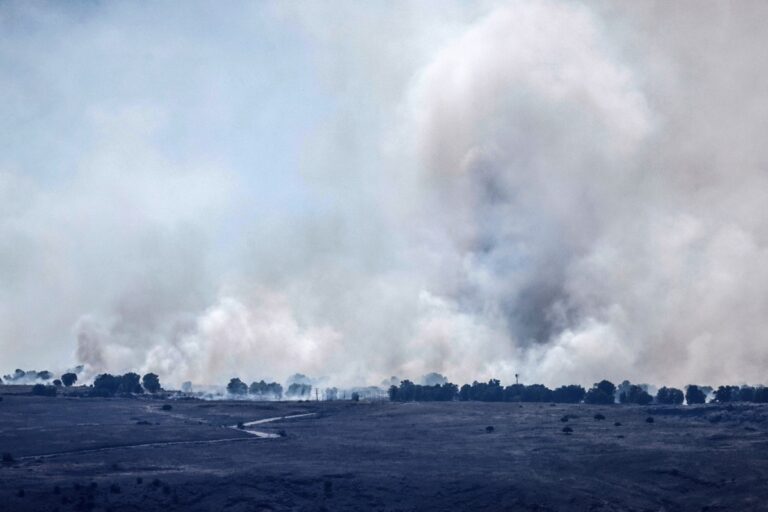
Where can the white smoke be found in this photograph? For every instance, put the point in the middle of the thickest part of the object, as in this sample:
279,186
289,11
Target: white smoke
561,190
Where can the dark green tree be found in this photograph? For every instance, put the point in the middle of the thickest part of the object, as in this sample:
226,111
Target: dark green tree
151,382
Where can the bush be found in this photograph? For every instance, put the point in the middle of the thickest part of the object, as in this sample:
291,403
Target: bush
69,378
601,393
355,396
57,383
567,430
489,429
599,417
43,390
694,395
7,458
669,396
166,407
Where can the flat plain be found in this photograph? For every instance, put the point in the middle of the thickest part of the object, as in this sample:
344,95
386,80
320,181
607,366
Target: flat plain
76,453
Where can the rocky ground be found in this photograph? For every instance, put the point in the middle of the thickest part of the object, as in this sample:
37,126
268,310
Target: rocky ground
75,453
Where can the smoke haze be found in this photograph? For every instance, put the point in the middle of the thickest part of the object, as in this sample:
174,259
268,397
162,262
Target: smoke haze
568,191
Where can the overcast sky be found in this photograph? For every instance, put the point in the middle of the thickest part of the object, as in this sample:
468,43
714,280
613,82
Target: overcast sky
352,190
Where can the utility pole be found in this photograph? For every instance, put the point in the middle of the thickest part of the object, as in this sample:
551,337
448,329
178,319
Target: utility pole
516,376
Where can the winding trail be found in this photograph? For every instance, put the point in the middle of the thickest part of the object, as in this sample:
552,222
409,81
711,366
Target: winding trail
267,435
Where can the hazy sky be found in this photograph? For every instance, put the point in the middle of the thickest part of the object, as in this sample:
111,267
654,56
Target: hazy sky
565,190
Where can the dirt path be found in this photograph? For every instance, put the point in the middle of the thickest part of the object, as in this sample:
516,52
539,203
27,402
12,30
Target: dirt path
267,435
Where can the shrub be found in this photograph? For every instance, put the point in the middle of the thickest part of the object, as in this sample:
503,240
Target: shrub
355,396
567,430
694,395
166,407
489,429
69,378
7,458
57,383
669,396
599,417
649,419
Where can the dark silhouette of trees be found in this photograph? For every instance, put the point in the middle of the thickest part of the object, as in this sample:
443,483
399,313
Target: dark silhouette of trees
57,383
298,390
69,378
572,394
263,390
130,383
761,395
727,394
237,387
355,397
537,393
409,392
151,382
43,390
107,384
669,396
746,394
634,394
601,393
694,395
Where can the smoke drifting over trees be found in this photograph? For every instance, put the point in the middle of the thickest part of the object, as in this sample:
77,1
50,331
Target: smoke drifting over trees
563,189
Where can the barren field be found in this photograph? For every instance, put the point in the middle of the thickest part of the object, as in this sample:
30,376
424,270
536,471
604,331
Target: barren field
128,454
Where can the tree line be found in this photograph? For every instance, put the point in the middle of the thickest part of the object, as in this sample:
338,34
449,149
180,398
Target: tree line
603,392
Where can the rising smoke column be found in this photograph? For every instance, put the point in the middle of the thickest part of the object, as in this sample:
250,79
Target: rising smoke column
566,191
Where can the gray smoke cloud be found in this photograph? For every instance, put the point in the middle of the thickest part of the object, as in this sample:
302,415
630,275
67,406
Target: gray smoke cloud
568,191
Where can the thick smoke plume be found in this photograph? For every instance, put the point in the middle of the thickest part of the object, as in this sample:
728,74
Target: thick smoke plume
561,190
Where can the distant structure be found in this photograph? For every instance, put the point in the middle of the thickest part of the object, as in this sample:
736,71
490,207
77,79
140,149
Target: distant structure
516,381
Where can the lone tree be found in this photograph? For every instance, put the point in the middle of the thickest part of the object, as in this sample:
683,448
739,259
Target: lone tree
237,387
69,378
601,393
694,395
151,382
669,396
